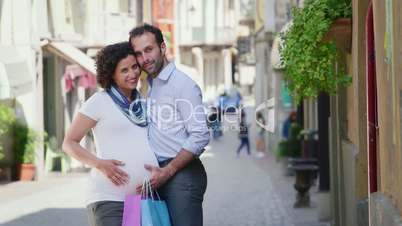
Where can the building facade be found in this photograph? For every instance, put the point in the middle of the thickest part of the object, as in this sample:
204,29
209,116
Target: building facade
206,35
53,43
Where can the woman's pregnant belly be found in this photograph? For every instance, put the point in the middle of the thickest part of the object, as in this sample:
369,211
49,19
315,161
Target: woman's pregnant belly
133,166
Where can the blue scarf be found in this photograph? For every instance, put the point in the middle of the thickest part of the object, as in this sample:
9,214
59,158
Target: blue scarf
134,111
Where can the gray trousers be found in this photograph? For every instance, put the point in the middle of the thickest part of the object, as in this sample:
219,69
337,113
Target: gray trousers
105,213
184,194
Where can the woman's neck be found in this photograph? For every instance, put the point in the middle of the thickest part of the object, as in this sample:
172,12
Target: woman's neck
127,93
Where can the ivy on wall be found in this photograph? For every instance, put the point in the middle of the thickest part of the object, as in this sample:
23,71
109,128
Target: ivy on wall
309,62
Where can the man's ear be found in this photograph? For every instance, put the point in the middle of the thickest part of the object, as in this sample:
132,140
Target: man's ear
163,47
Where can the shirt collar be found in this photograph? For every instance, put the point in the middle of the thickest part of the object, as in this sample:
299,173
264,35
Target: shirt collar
166,72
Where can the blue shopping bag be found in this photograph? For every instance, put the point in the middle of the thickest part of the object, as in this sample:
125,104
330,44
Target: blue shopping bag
154,211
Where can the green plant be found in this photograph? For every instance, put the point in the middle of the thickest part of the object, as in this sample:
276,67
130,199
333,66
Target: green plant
24,142
307,60
292,146
294,131
7,117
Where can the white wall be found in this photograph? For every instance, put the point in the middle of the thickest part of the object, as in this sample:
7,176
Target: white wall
209,21
227,68
247,74
41,16
269,25
103,22
261,79
63,20
18,28
7,22
21,25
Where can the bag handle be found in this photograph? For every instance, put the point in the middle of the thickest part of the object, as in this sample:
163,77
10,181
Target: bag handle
144,192
147,191
150,189
156,192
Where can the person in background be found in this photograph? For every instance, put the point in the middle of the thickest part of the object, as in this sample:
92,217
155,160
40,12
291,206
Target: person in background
287,124
214,123
260,140
243,134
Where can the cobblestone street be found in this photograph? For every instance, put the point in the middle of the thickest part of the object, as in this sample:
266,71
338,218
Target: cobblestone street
241,191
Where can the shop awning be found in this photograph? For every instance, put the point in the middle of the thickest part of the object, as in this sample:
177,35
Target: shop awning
15,76
72,55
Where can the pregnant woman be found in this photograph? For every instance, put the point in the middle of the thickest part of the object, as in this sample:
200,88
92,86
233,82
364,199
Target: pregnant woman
118,122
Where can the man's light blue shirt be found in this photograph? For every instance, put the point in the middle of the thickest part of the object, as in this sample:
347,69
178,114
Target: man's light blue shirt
177,117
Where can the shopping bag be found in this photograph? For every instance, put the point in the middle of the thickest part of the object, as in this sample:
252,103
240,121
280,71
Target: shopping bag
132,210
160,212
154,211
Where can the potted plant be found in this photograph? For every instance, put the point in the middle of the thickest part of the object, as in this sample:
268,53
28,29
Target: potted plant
308,54
24,143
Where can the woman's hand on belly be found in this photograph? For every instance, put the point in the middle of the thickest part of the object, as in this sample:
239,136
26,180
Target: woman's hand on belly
110,168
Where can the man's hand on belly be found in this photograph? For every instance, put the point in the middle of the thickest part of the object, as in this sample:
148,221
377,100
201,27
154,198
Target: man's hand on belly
158,176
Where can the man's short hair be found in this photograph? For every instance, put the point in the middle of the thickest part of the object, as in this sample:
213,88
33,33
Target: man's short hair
140,30
106,62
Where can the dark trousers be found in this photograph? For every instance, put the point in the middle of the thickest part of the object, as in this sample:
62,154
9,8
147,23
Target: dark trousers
105,213
184,194
244,141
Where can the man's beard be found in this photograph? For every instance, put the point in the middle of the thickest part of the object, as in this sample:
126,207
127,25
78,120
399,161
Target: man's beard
158,67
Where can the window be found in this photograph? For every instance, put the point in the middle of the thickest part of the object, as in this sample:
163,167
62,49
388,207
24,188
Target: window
195,9
228,13
62,18
231,4
124,6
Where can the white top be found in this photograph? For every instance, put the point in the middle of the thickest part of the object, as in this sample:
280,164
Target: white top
116,138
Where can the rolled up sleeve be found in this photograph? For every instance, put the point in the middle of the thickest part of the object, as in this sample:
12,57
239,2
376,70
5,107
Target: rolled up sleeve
192,112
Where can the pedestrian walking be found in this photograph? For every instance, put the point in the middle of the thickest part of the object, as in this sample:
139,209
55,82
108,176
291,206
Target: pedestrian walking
260,139
243,134
214,123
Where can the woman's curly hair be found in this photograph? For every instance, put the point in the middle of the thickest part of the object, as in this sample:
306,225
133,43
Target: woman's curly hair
107,59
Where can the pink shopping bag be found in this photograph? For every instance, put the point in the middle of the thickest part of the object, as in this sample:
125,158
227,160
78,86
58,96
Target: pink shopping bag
132,210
